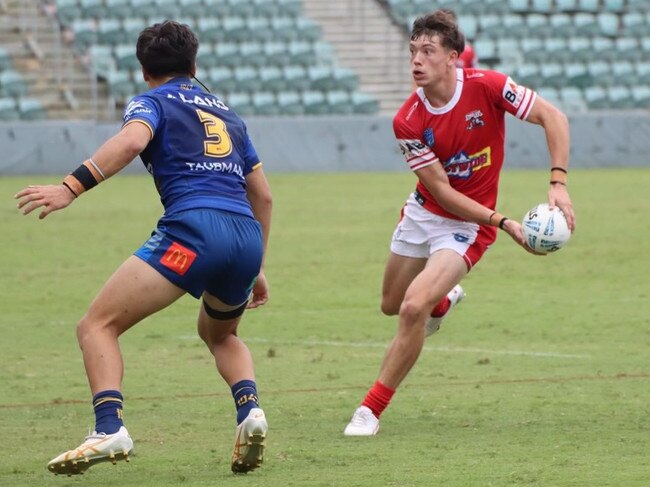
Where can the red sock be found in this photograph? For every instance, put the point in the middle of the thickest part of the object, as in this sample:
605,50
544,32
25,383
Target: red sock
378,398
441,308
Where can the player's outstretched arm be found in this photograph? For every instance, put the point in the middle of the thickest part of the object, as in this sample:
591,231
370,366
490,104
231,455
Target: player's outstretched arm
556,128
110,158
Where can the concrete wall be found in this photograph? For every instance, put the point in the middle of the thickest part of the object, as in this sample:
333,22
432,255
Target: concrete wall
325,144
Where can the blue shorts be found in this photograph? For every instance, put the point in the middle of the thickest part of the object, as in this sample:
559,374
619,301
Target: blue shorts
207,250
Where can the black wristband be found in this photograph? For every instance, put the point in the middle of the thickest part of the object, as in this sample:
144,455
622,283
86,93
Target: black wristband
85,177
557,182
502,222
558,168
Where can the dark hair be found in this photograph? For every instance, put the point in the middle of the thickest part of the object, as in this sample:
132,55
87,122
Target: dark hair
443,24
167,48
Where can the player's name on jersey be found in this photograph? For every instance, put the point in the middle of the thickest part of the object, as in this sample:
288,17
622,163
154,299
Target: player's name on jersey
203,101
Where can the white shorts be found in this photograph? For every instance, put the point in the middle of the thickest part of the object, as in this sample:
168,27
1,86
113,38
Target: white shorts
420,233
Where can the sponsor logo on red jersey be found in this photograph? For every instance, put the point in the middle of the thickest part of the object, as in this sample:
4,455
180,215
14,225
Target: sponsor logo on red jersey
463,166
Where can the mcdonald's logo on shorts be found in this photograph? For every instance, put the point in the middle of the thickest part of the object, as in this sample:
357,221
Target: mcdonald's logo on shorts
178,258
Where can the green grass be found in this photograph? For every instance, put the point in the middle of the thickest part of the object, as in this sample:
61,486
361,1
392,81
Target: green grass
540,377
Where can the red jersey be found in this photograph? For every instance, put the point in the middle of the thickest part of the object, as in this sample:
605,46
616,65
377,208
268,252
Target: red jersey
467,136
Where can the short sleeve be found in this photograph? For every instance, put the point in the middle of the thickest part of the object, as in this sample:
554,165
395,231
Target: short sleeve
249,155
511,97
416,152
142,109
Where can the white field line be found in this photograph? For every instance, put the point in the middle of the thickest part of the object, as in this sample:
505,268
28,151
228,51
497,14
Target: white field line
331,343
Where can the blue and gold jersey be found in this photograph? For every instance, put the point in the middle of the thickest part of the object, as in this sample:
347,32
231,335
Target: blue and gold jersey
199,151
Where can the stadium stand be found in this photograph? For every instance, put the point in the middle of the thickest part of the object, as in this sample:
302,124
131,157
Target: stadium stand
293,57
582,54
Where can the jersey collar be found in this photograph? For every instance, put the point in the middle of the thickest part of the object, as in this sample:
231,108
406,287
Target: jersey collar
454,99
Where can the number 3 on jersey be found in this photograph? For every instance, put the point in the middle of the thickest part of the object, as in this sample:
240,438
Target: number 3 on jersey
218,143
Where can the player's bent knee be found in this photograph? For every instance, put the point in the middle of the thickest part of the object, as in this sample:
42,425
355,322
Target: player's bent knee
224,315
412,313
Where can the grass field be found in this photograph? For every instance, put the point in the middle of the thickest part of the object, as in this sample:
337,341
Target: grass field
540,378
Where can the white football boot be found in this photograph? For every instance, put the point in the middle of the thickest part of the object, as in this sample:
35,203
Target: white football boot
455,296
98,447
363,423
250,440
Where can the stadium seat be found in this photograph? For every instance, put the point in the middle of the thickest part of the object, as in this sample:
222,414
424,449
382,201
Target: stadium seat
589,6
31,109
596,97
118,9
120,84
601,71
339,102
513,25
320,77
555,48
8,109
537,24
468,25
345,78
264,103
300,52
607,24
307,29
193,8
101,59
222,79
519,6
84,32
620,97
125,58
240,102
226,54
541,6
290,103
508,50
67,11
205,57
489,25
314,102
603,48
143,8
634,24
532,49
551,95
246,78
323,52
265,8
168,9
5,59
252,53
259,29
92,8
109,31
553,75
486,50
290,7
295,76
234,28
208,29
640,5
641,96
561,25
272,78
276,53
577,74
623,72
527,74
579,49
616,6
572,99
627,48
12,84
132,28
566,5
282,28
364,103
586,24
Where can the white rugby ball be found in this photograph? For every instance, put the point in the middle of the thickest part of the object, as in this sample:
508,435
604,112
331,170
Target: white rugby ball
545,230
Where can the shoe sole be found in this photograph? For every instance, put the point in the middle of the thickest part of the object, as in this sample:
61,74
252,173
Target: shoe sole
254,456
78,467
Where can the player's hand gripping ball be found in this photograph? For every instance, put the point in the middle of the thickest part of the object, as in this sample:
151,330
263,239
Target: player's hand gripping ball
545,230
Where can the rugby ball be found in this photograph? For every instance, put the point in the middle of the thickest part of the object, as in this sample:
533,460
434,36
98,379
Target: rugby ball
545,230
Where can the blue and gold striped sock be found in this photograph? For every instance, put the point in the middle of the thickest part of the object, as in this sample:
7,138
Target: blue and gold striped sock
245,394
108,411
